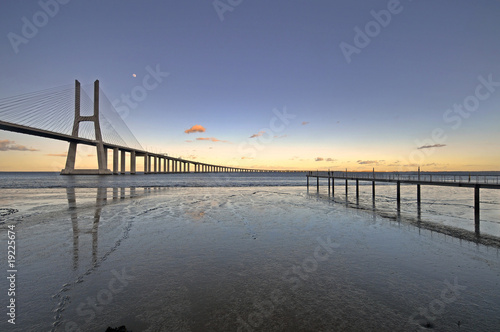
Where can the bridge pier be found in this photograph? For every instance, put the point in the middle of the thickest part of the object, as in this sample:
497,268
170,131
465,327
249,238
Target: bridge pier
146,159
132,162
101,157
115,161
122,162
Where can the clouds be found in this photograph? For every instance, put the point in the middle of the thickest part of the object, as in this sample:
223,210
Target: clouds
305,123
195,129
431,146
212,139
260,133
6,145
323,159
368,162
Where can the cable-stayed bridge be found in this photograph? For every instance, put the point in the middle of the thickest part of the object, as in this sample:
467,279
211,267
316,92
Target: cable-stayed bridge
68,113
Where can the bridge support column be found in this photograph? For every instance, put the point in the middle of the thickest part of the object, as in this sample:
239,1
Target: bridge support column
132,162
115,161
122,162
106,157
146,158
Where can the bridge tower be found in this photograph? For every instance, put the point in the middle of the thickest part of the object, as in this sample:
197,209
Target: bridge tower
101,152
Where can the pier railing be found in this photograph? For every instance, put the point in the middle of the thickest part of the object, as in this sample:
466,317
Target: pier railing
413,178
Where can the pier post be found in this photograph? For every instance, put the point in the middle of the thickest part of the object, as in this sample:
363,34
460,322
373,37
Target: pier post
317,183
476,204
373,186
346,187
333,186
357,190
418,197
132,162
307,181
329,180
122,162
398,194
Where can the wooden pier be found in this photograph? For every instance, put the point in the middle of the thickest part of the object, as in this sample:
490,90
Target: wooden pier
477,182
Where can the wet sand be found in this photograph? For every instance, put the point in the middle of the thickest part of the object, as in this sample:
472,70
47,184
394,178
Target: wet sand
247,259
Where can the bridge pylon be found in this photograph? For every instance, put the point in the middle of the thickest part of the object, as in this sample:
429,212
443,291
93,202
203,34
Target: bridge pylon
101,152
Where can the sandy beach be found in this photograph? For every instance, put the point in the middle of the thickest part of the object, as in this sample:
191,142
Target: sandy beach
239,259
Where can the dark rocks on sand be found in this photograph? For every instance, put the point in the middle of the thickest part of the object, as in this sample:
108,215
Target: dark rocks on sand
117,329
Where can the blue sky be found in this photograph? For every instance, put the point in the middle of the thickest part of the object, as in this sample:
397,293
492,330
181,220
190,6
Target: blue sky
228,76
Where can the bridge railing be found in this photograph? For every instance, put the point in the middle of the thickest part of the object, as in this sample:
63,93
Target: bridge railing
395,176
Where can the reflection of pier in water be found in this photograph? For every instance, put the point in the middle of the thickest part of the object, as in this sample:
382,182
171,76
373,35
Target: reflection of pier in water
459,233
100,201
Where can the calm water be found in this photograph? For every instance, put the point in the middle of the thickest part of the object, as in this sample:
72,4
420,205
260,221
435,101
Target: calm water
249,252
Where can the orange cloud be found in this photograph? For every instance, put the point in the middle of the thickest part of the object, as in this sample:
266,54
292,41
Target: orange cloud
305,122
213,139
260,133
195,129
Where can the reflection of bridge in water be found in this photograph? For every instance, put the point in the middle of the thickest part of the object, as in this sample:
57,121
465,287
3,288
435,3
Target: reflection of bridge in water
101,200
58,114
